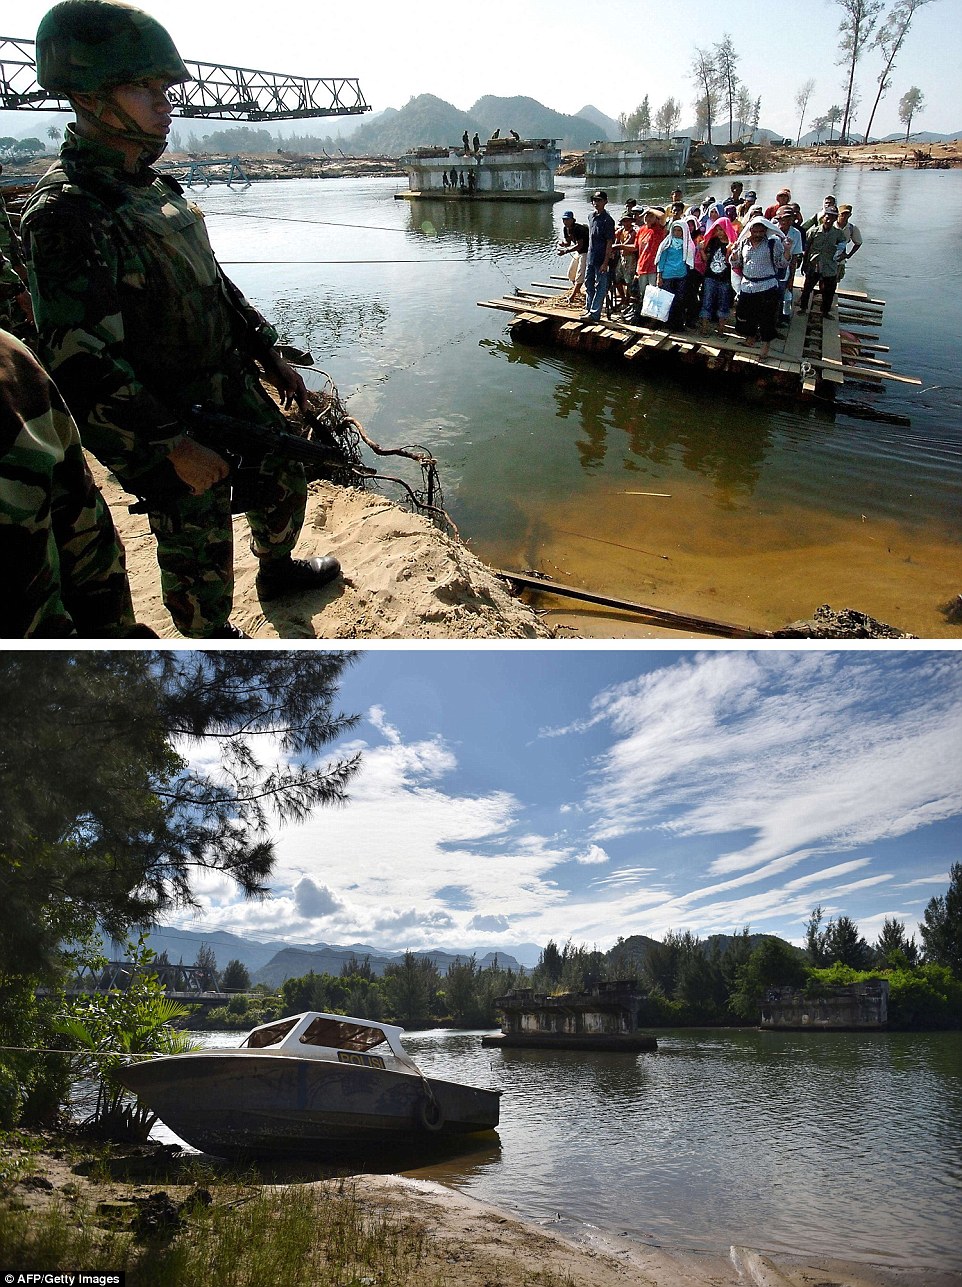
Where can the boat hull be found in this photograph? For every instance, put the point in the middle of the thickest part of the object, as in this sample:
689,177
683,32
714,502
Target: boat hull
248,1104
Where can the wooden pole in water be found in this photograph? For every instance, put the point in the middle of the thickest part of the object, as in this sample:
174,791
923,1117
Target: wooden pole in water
661,616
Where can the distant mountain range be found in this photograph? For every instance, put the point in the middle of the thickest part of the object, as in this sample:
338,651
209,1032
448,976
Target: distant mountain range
273,962
426,120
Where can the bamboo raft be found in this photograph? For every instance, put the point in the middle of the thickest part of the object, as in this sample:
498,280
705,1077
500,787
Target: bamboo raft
812,360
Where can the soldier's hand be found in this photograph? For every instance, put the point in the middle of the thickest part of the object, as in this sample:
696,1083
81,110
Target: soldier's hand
198,466
285,379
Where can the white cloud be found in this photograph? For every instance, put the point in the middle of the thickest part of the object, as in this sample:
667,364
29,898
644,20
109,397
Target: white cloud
489,924
594,854
315,901
752,785
782,747
378,717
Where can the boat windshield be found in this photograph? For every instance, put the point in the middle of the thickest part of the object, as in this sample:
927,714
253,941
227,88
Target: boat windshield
271,1036
342,1036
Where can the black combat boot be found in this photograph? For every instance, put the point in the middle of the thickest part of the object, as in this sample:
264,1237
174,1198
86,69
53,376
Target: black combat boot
278,577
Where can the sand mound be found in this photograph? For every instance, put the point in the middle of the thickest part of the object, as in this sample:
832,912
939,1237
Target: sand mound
403,578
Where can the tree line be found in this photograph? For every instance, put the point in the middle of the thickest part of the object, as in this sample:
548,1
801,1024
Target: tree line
683,980
866,26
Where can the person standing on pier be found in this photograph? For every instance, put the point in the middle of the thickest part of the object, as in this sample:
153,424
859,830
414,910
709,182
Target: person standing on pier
601,249
822,255
853,237
139,324
574,241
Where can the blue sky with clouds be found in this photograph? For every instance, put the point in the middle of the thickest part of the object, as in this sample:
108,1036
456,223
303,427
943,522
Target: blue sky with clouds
514,795
461,52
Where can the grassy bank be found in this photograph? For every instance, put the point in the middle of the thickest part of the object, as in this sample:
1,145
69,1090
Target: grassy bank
170,1220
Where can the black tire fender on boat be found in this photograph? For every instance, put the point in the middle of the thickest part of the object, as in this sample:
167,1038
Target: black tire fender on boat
429,1114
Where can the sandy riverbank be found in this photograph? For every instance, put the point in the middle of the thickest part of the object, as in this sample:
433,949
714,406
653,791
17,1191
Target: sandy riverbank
402,577
466,1243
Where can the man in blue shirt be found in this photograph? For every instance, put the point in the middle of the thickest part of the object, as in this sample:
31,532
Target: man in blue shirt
601,246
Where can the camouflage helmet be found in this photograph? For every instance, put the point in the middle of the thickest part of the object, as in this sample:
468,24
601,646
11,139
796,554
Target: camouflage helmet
84,46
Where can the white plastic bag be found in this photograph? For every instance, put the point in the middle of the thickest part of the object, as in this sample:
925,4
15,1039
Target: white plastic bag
657,303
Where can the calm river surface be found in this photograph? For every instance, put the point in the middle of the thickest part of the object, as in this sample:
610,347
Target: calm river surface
762,510
835,1144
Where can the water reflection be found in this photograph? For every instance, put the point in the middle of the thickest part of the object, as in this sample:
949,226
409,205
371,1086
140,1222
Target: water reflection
724,1137
484,225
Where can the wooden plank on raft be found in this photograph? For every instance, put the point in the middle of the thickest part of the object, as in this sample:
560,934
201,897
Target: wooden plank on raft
795,340
873,374
831,352
634,351
843,293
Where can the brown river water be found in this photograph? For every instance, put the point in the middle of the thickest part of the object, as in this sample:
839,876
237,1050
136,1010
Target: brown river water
763,509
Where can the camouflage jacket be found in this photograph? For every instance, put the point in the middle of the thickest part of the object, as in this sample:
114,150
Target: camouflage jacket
137,321
10,283
62,565
9,241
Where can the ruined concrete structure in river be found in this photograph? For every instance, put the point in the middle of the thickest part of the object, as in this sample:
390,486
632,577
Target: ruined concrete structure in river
605,1017
636,159
856,1006
503,170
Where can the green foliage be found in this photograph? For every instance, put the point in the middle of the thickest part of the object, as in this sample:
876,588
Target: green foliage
236,977
411,988
846,945
12,149
941,927
33,1084
569,969
350,994
928,996
461,993
107,1029
893,948
920,997
774,963
105,820
240,138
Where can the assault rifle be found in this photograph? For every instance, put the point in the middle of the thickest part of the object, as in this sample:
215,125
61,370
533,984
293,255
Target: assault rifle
245,445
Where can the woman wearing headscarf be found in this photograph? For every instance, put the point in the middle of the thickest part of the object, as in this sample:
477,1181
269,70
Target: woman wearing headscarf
673,262
716,299
696,274
759,255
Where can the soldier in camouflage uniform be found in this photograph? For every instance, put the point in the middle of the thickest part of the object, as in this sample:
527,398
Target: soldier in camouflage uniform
16,314
62,565
138,322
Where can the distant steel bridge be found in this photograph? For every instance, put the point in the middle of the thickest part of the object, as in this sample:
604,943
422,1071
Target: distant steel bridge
216,91
192,983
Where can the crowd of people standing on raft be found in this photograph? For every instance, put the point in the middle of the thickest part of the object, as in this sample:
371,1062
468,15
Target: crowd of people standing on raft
711,257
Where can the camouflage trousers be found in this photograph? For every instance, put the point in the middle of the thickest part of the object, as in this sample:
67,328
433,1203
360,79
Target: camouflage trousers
195,546
62,563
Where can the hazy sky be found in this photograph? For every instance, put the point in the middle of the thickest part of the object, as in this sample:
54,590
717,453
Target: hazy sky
540,49
513,795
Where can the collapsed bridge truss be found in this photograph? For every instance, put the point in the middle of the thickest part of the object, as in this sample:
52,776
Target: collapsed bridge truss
216,91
